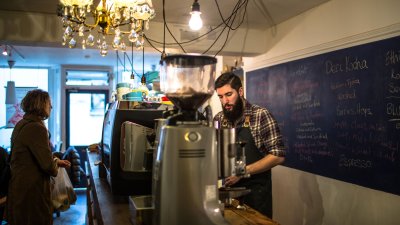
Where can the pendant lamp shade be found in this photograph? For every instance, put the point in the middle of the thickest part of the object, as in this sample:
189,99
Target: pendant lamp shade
11,97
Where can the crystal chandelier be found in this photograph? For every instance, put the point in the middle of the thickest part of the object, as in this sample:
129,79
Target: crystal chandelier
88,24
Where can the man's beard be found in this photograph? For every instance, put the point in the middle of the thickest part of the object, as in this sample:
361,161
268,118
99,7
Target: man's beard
236,112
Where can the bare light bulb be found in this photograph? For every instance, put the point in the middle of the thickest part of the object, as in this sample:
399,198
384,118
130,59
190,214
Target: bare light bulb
195,22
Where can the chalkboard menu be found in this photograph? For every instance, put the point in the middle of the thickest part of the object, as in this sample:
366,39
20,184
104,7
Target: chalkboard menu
339,112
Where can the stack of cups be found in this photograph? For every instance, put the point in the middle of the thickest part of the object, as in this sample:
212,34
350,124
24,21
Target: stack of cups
122,88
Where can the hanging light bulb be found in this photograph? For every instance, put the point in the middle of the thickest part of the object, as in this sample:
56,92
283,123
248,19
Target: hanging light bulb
195,22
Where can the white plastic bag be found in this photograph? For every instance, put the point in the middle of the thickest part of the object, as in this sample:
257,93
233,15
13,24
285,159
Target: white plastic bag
63,194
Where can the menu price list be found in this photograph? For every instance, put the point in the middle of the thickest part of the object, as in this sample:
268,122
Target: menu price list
339,112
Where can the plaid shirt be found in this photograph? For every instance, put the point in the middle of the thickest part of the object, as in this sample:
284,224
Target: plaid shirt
263,127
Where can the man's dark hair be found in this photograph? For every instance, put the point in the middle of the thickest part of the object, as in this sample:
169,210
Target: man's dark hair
228,78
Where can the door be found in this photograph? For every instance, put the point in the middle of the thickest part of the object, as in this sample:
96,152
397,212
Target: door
84,116
85,111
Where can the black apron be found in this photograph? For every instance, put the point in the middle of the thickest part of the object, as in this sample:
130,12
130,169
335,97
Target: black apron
260,197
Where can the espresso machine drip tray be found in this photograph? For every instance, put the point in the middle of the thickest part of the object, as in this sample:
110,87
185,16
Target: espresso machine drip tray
226,194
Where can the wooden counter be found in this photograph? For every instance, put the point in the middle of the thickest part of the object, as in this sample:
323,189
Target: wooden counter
105,208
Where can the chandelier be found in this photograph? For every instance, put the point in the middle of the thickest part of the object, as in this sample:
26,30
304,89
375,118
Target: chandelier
125,20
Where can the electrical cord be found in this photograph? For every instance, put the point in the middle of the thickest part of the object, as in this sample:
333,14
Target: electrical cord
211,30
169,31
228,22
187,42
150,40
123,63
215,40
227,36
163,8
236,8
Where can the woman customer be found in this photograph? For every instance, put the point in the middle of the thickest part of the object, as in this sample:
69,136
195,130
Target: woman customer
3,198
32,164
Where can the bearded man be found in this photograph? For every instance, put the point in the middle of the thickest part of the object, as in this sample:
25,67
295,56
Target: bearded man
264,145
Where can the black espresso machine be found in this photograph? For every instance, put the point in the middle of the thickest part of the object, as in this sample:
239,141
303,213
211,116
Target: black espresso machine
126,146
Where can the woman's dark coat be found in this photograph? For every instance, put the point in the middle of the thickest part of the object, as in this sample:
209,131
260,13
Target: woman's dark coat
32,164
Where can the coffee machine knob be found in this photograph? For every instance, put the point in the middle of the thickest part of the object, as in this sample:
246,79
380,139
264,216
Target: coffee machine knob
192,136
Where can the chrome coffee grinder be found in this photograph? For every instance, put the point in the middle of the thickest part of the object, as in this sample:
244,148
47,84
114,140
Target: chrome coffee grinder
185,173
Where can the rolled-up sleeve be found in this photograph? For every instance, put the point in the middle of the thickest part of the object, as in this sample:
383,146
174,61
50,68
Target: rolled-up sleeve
268,137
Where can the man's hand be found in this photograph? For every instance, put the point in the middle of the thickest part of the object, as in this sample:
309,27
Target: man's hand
229,181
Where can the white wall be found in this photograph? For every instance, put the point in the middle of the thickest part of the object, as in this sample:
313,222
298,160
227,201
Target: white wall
305,198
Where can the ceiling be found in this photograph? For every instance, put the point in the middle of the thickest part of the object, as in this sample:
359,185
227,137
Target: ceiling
261,14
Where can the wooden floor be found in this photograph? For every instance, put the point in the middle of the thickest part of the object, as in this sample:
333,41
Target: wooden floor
76,215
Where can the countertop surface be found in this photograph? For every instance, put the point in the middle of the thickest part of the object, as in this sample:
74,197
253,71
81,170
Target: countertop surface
114,210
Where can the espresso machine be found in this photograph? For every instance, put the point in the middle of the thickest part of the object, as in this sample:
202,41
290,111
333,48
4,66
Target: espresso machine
126,156
186,168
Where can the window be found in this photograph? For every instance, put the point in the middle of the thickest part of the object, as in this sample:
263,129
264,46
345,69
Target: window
25,79
87,78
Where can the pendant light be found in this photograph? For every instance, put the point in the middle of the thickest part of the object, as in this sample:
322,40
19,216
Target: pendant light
143,86
195,22
11,97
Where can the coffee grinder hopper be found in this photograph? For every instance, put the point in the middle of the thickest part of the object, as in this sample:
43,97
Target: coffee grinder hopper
188,80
